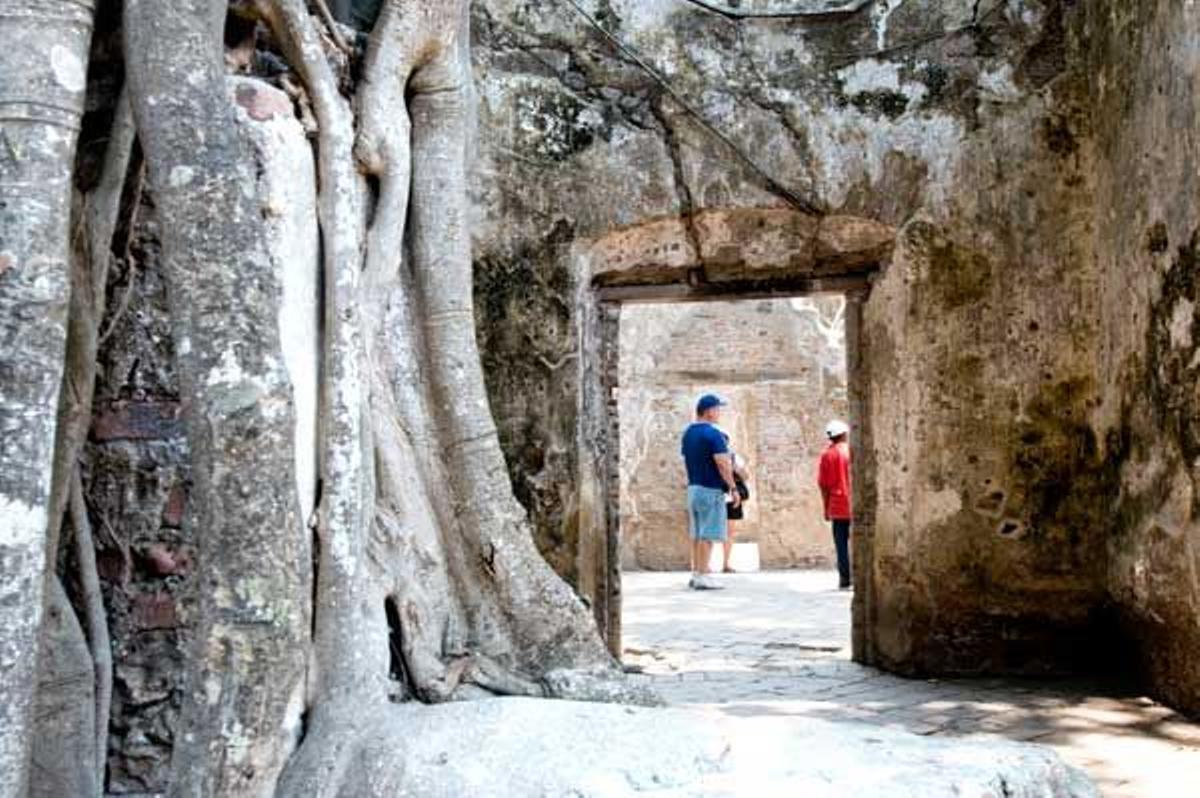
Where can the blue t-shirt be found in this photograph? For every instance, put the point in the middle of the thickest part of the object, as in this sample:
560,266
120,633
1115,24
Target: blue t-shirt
701,441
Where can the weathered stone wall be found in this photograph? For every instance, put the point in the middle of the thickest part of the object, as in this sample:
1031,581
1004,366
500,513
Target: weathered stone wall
955,119
1142,67
971,126
782,365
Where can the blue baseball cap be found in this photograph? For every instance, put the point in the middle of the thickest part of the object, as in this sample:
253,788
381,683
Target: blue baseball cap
709,401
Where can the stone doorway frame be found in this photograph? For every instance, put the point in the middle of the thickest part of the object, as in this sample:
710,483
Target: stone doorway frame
715,255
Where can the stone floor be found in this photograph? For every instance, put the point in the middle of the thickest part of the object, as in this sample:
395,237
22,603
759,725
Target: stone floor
778,644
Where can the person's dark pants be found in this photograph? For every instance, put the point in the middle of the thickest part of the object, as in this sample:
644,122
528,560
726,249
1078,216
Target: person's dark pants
841,541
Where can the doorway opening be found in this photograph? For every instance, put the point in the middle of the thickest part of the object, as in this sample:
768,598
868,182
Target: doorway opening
747,262
781,366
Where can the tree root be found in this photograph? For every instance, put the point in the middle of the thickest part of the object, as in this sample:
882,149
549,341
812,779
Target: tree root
95,217
95,619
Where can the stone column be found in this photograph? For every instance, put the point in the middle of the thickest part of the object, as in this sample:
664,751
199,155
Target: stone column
598,556
610,362
862,455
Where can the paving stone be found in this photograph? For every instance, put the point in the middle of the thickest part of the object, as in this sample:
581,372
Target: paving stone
765,659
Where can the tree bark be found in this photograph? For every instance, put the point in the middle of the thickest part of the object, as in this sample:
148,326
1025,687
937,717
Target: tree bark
64,748
244,697
94,220
476,610
520,615
43,56
94,224
420,543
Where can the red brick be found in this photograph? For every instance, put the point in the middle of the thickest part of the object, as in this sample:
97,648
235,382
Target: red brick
163,560
172,514
138,421
154,611
263,102
112,566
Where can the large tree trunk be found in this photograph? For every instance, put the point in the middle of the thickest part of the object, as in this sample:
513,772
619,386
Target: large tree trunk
244,697
473,607
43,57
424,582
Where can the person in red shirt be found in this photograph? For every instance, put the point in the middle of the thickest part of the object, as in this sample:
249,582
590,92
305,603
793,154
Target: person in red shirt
833,477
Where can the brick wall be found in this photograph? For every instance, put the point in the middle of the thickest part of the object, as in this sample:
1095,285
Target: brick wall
137,480
781,363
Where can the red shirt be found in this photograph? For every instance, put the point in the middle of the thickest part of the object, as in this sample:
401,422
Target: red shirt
833,477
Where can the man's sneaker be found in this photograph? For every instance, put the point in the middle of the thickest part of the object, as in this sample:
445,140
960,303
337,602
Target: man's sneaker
706,582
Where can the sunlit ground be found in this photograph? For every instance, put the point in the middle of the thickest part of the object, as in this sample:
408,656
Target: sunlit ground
778,643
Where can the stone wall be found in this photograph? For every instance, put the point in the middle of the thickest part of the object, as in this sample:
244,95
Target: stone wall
960,122
782,365
1028,341
1142,66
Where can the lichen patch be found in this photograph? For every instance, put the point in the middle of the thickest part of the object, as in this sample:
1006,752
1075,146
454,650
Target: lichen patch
68,69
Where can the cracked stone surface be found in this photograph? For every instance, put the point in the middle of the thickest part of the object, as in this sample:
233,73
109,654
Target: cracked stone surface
777,644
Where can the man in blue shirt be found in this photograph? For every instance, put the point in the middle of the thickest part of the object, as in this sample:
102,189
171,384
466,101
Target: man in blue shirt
710,476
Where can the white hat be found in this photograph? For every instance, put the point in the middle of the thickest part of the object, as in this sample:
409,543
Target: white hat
835,428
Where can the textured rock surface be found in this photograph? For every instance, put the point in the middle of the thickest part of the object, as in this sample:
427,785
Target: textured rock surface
43,100
484,747
1143,66
782,365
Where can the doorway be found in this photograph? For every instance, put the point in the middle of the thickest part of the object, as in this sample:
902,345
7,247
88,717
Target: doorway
781,365
742,256
647,536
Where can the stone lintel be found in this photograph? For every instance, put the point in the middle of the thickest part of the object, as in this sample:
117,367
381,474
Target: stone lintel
743,245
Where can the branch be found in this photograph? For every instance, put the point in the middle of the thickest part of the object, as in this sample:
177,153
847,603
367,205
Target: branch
104,202
96,221
797,201
343,514
332,24
850,7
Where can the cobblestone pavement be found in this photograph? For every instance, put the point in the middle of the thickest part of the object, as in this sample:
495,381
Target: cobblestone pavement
778,644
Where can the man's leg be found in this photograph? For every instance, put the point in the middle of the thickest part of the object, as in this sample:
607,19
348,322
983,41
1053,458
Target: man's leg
693,532
712,525
841,541
728,544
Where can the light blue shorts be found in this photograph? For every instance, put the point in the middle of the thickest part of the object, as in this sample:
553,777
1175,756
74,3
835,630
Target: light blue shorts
707,518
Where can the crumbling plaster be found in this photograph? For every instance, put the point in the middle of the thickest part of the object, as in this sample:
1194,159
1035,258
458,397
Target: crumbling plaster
977,129
1142,67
